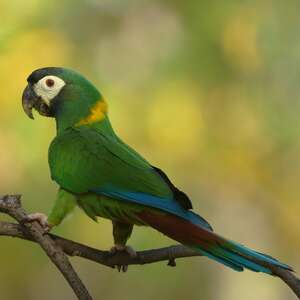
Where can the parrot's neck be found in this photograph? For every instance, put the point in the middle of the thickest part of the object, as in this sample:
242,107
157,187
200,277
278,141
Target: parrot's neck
104,126
94,116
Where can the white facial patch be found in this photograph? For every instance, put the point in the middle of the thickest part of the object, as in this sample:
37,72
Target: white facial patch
48,87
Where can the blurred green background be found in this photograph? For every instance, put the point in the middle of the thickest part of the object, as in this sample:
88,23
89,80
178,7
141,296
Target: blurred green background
207,90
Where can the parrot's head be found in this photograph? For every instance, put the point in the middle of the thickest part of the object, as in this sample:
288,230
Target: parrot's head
63,94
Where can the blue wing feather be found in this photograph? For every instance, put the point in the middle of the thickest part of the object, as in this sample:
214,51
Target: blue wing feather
167,205
233,255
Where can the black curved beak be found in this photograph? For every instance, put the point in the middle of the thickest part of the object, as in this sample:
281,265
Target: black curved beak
31,100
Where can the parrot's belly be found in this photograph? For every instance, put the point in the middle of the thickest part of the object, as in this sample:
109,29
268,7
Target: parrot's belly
109,208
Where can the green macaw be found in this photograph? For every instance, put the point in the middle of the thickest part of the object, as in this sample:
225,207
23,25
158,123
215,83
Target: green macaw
98,172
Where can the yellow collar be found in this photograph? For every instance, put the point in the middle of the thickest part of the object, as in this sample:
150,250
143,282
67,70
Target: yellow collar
97,113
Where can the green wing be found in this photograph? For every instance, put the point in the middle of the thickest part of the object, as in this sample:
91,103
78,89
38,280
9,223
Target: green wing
82,159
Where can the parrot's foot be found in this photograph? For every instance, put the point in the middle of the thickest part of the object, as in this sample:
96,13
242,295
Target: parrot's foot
41,218
122,268
122,248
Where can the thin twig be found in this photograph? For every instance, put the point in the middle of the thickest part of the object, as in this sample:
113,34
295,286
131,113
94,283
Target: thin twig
168,254
11,205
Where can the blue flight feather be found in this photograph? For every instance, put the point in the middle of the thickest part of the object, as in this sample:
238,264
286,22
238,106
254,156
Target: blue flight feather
231,254
167,205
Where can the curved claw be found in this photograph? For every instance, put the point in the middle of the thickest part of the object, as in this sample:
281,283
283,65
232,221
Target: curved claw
122,248
41,218
122,268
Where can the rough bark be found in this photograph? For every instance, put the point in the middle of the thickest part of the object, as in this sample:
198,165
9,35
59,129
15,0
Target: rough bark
11,205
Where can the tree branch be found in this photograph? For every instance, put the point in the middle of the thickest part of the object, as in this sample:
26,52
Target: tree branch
105,258
11,205
72,248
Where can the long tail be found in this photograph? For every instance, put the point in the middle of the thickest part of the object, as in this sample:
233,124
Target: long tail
207,243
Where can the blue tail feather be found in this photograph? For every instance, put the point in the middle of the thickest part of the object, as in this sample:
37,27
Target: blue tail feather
229,253
238,257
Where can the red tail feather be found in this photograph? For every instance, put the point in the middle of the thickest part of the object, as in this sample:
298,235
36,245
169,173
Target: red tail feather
210,244
179,229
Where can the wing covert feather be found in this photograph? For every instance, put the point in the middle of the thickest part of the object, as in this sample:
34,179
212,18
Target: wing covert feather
82,159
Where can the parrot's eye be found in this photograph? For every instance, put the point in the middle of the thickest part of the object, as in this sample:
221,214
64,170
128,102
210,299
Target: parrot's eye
49,87
50,83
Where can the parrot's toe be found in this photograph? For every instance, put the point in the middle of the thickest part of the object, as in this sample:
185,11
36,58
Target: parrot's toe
41,218
122,248
122,268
